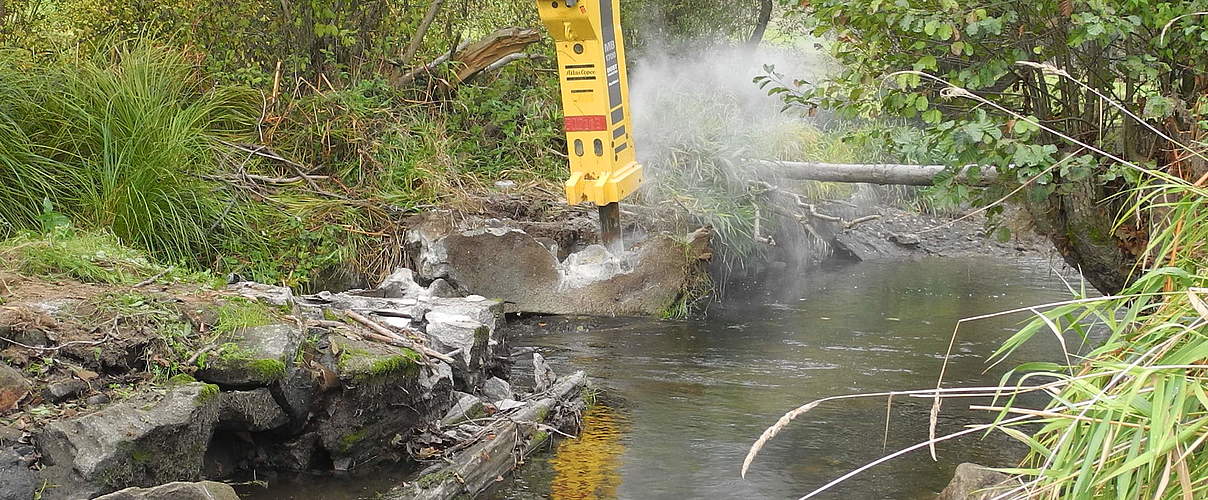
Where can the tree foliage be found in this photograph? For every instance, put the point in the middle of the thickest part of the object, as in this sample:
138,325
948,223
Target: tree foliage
1116,48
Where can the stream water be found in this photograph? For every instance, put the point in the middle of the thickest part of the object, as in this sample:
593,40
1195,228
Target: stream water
683,400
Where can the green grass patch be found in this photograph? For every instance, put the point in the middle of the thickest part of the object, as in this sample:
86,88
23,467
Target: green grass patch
87,257
236,313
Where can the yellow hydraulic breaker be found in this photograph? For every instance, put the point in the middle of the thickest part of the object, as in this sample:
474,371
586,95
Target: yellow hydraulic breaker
595,98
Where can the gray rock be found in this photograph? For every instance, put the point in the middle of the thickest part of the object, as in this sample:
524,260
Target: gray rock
205,490
9,435
465,407
17,481
973,482
443,289
295,393
549,244
59,392
401,284
451,331
253,357
149,439
543,375
275,295
906,239
13,387
299,454
251,411
496,389
97,400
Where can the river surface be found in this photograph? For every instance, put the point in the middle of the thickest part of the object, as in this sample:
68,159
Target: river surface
683,400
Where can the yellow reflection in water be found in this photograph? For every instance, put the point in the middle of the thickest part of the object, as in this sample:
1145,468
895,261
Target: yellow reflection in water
589,467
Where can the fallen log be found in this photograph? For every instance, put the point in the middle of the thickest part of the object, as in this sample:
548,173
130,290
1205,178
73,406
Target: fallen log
881,173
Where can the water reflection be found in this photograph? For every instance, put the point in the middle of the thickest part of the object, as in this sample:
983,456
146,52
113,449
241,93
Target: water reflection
589,467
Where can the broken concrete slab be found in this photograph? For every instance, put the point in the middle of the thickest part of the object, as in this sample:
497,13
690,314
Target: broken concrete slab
511,265
252,357
149,439
204,490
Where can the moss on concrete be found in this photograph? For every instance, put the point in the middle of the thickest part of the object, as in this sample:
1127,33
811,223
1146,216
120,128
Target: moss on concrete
363,365
232,356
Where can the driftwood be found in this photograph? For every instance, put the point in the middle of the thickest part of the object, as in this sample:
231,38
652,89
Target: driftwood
383,334
492,452
490,53
903,175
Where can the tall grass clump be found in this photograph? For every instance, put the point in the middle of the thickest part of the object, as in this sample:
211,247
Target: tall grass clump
122,139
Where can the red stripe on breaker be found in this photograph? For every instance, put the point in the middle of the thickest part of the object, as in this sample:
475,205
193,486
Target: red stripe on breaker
589,123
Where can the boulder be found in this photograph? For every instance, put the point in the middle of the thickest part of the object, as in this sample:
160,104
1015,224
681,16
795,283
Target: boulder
295,393
456,332
205,490
401,284
253,357
61,391
17,481
973,482
511,265
496,389
442,289
13,387
251,411
299,454
150,439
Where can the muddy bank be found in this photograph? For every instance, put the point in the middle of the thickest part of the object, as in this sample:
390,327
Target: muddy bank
898,234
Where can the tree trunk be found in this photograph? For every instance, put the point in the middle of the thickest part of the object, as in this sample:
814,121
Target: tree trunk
761,24
1081,225
418,37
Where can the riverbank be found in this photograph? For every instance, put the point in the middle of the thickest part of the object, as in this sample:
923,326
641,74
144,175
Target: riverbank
137,375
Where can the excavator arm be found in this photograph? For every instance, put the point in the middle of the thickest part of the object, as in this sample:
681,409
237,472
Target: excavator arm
595,99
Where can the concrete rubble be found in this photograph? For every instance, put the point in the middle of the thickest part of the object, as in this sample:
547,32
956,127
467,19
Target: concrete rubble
525,273
347,380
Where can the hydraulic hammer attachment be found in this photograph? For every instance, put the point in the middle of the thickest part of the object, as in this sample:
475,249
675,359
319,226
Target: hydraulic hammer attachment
595,98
